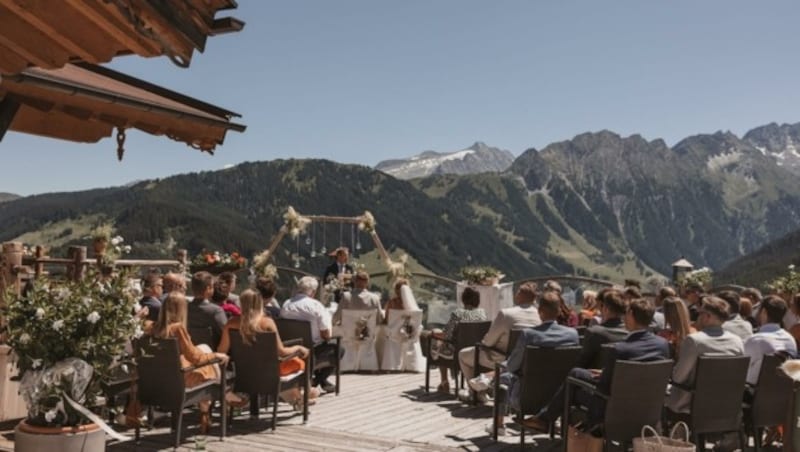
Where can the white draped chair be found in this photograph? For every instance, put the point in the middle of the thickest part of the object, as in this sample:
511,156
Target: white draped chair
401,348
359,331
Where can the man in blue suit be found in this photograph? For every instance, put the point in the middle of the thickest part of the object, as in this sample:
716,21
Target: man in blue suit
640,345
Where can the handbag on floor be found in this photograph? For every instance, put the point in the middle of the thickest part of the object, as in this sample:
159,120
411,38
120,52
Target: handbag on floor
580,441
658,443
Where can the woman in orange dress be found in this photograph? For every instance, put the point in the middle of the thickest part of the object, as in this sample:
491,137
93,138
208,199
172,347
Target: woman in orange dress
171,323
676,324
252,321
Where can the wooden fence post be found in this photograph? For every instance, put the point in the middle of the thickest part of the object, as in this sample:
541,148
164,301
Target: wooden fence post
9,260
77,254
38,268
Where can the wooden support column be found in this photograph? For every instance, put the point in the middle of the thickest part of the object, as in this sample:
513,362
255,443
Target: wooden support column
38,268
77,254
10,261
8,109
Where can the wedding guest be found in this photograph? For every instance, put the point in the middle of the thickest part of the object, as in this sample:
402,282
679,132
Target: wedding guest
253,321
303,306
658,318
692,295
172,323
442,345
396,302
339,269
612,310
746,311
590,308
223,297
267,288
794,306
676,324
567,317
754,295
735,323
359,298
152,288
173,282
202,312
770,338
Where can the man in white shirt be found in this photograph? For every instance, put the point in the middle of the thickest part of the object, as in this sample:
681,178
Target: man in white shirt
303,306
735,323
770,339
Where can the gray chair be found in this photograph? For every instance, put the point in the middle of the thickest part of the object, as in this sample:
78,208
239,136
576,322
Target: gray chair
300,329
543,372
635,399
770,399
466,334
257,373
716,398
160,383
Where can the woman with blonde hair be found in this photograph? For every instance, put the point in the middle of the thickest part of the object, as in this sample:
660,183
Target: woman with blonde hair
171,323
252,321
676,324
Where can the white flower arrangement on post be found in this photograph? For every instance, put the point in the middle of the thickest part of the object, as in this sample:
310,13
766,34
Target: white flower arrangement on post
67,338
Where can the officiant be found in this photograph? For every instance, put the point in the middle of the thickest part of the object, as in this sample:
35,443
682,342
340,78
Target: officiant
340,270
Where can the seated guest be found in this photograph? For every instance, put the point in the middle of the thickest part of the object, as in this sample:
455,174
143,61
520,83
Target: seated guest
173,282
754,295
612,309
549,334
640,345
172,322
567,316
658,318
202,312
442,345
590,309
303,306
770,339
267,288
735,323
676,324
692,295
253,321
523,315
152,288
223,297
746,311
794,330
359,298
710,340
396,302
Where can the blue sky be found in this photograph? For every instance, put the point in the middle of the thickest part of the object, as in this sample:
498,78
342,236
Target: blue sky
359,81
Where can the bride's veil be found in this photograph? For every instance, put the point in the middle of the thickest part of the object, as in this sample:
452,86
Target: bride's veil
409,302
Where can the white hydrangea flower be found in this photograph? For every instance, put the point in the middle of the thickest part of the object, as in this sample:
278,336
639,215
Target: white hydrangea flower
25,338
791,267
39,313
138,332
86,301
93,317
117,240
50,415
58,324
37,363
62,294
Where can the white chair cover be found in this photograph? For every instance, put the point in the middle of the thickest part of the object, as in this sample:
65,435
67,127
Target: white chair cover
401,349
359,331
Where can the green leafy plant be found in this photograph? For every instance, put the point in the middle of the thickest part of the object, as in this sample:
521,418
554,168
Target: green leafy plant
102,232
788,283
58,329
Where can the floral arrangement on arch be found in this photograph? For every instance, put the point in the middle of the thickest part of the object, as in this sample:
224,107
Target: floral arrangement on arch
788,283
702,277
215,259
295,223
67,338
367,223
482,275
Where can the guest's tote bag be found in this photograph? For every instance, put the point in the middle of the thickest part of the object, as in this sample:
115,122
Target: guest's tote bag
657,443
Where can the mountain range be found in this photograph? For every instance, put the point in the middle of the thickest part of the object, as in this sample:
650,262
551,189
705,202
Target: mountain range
478,158
598,205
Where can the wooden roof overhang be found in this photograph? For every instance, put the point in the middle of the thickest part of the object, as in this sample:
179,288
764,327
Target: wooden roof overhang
51,33
83,102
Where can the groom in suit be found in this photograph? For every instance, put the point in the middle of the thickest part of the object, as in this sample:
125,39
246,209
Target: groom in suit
338,269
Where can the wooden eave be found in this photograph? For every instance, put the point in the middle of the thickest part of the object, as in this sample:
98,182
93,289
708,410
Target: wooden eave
49,33
85,103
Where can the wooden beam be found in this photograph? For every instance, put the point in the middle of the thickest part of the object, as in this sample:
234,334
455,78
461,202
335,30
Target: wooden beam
31,12
10,62
8,110
108,19
30,43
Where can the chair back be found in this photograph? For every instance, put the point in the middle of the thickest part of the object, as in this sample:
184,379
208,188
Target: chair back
359,324
256,364
513,337
202,335
772,393
717,396
403,325
544,370
636,397
467,334
295,329
160,381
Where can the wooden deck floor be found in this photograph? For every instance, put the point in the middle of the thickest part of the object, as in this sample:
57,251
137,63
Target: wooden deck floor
388,412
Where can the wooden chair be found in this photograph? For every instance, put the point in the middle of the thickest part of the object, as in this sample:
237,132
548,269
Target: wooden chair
636,399
161,383
257,373
543,372
466,334
301,329
716,398
770,401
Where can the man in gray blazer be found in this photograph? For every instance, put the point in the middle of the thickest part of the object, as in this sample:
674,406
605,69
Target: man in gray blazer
523,315
711,339
359,298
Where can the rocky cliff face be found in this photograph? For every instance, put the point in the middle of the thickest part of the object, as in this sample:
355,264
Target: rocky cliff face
779,142
478,158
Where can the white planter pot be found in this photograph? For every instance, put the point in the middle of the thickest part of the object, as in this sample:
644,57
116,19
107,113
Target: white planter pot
87,438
